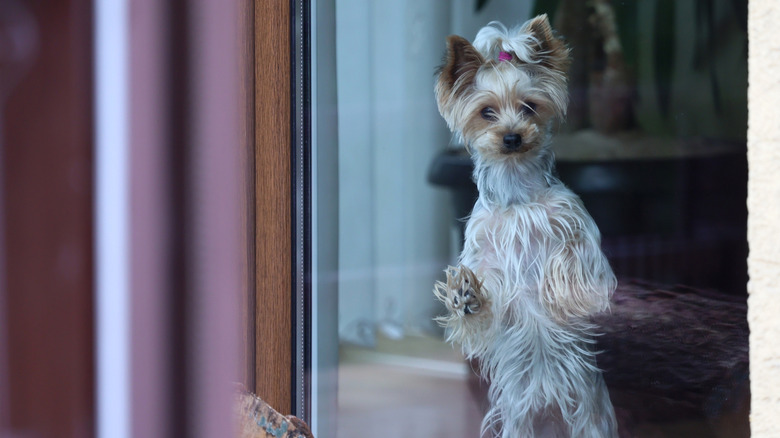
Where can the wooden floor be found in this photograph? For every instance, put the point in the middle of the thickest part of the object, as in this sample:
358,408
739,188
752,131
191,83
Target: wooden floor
412,388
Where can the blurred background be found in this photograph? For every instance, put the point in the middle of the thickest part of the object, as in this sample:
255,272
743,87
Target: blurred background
122,253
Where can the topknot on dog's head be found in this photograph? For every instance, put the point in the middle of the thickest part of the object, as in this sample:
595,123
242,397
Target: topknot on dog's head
533,42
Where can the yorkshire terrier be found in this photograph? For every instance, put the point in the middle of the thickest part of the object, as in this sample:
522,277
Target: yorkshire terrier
531,272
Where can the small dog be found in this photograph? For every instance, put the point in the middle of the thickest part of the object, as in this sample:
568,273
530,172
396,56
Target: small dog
532,270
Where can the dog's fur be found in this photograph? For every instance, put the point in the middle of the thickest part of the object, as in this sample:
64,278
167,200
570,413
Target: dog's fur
532,270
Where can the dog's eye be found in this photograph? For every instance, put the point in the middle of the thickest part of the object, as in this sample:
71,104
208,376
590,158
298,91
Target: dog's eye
488,113
528,108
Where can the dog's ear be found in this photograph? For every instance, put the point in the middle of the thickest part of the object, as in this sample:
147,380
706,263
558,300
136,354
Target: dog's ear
550,51
460,66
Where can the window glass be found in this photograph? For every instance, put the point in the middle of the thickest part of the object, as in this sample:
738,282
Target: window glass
652,142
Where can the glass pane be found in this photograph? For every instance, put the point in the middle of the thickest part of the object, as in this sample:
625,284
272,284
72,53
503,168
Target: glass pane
653,144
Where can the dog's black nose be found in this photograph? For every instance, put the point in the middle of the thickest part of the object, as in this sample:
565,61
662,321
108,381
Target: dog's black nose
512,141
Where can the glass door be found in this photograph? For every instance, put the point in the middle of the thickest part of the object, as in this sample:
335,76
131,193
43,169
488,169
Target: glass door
653,143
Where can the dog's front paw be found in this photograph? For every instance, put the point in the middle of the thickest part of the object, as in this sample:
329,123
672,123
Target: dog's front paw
461,293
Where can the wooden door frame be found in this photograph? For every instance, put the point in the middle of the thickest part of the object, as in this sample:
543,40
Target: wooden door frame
273,294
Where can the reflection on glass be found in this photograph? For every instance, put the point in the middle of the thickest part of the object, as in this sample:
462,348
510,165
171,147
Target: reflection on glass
653,143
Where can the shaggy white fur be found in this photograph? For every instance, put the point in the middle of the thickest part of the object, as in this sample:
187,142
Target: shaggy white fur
532,270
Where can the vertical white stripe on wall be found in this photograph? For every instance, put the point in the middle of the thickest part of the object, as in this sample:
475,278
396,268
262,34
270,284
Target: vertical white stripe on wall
764,215
111,220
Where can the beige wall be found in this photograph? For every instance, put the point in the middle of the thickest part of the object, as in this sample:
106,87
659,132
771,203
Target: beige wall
764,215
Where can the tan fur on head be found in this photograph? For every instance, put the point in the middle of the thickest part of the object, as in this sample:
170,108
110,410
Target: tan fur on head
457,75
551,52
460,67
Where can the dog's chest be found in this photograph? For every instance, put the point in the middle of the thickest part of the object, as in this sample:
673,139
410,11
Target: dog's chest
511,239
